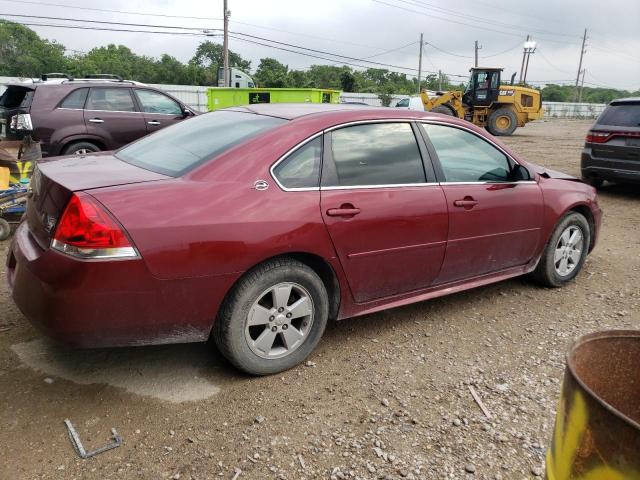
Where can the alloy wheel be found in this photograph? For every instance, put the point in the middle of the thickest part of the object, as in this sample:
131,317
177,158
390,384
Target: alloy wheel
279,321
568,250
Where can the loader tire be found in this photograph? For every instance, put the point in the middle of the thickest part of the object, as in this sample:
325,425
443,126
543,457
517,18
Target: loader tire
502,122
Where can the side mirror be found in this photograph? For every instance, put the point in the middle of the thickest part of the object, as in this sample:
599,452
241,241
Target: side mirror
186,112
518,173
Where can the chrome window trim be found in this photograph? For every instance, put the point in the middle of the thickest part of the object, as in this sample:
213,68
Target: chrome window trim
109,111
392,120
389,185
285,156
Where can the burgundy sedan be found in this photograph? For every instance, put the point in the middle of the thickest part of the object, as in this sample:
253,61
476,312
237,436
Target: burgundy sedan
255,225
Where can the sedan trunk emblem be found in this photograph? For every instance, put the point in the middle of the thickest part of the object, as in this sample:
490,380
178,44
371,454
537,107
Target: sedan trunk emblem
261,185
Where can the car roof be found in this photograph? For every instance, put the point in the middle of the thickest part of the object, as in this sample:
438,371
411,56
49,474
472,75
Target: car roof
620,101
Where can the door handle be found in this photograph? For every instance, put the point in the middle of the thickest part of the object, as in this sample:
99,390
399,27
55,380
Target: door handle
96,120
467,203
153,122
343,211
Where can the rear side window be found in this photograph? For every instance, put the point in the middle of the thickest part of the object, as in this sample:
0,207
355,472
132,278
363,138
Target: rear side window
374,154
156,102
75,99
16,97
621,115
181,147
301,169
465,157
110,99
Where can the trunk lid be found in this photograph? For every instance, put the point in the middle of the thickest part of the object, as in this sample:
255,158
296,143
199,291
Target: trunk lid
54,181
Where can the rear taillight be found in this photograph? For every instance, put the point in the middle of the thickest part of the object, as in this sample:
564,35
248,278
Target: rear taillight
87,230
22,121
603,137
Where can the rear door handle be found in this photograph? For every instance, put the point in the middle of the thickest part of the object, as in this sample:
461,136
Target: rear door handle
343,212
153,122
96,120
466,202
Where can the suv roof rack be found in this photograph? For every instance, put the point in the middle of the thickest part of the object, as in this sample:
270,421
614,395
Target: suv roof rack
103,76
46,76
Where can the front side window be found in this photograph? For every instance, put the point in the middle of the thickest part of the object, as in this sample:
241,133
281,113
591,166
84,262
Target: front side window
301,169
75,99
375,154
181,147
156,102
465,157
403,103
110,99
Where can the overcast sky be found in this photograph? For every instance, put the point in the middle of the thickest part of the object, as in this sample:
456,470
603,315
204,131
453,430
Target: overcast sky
367,28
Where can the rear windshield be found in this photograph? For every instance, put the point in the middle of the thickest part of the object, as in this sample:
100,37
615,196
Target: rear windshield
179,148
621,115
16,97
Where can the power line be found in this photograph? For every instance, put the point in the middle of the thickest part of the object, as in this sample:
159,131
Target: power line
390,51
445,52
467,16
148,14
322,52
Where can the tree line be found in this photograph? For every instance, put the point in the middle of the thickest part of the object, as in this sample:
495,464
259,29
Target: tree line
24,54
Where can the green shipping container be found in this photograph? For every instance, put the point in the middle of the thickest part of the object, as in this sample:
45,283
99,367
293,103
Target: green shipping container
232,97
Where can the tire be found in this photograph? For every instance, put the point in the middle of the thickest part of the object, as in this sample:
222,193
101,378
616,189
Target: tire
595,182
502,122
549,272
252,298
443,109
5,229
80,148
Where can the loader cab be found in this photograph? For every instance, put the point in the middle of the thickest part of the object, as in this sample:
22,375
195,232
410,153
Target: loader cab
483,88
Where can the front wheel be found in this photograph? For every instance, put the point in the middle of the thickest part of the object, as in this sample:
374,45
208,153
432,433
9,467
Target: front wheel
564,255
502,122
80,148
273,318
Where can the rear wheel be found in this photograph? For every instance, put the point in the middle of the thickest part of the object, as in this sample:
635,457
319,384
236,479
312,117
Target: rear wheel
564,255
80,148
502,122
273,318
5,229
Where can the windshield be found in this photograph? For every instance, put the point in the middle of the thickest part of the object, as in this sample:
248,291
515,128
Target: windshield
182,147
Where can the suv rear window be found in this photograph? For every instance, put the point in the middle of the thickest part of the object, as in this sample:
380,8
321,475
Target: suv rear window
175,150
16,97
621,115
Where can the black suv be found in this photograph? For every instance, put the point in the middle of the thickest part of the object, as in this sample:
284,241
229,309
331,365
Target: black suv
612,148
77,116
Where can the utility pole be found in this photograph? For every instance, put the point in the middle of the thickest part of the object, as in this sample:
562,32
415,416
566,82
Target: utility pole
440,80
524,57
582,52
478,47
581,85
226,45
420,63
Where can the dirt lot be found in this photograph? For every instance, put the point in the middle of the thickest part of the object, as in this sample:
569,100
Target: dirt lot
383,396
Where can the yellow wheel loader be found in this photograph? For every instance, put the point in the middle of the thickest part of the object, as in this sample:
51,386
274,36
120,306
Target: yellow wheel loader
487,103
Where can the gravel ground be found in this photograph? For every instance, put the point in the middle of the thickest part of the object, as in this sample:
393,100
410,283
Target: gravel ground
384,396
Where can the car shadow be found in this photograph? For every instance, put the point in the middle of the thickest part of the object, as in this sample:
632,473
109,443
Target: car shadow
175,373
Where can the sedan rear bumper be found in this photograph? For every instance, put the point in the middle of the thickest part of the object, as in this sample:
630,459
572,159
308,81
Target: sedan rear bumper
108,303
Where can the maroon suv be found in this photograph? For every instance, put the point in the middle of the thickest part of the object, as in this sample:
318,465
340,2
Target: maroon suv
77,116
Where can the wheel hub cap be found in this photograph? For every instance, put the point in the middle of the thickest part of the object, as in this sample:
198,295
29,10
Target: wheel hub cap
279,321
568,251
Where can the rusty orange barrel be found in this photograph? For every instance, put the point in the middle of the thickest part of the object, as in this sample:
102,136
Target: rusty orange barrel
597,431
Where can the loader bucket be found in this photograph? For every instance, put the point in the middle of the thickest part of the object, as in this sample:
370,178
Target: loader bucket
597,430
